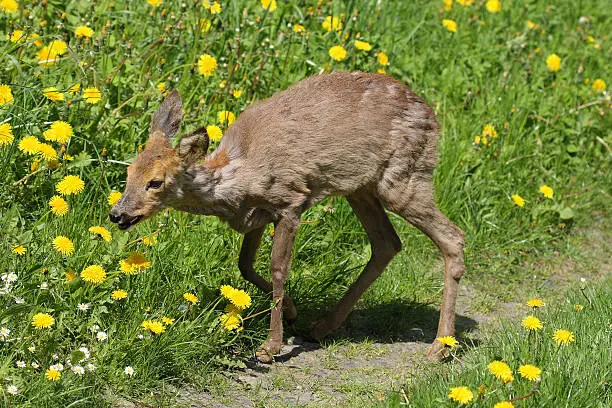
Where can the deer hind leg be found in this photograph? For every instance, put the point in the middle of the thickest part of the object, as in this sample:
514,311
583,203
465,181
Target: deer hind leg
248,251
385,244
414,200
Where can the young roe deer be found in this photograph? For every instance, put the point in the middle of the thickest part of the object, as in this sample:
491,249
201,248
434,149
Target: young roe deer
367,137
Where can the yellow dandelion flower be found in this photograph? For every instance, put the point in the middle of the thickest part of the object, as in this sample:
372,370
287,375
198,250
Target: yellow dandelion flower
226,291
35,165
113,197
63,245
448,341
337,52
161,86
42,320
59,206
518,200
46,57
553,62
150,240
383,59
462,395
29,145
214,8
119,294
167,320
450,25
83,31
207,64
92,95
134,263
530,372
332,24
599,85
465,2
494,6
53,375
6,134
535,303
74,89
155,3
237,93
578,308
298,28
503,404
214,133
17,36
6,95
19,250
226,116
563,337
190,297
489,131
240,298
269,5
448,5
47,152
58,47
532,25
154,326
546,191
205,25
501,370
69,275
101,231
94,274
231,321
532,323
59,132
53,94
381,71
9,6
70,185
363,45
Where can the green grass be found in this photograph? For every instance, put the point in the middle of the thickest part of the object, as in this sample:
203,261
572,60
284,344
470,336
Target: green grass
553,129
573,375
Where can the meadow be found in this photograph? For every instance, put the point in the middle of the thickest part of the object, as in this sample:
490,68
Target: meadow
89,313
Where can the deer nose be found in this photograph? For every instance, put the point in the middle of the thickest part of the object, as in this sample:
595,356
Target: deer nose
114,218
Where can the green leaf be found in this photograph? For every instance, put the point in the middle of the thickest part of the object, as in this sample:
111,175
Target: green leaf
566,214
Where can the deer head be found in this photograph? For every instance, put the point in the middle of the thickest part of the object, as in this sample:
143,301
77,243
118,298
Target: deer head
153,176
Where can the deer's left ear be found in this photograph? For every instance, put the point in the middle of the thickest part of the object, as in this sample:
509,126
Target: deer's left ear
193,147
168,118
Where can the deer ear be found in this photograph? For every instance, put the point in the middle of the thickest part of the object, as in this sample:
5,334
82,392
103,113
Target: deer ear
168,118
193,146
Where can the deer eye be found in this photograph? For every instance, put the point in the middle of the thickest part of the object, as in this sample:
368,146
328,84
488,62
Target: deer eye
154,184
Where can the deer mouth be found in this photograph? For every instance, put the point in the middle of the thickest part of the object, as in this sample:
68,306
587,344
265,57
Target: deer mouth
127,224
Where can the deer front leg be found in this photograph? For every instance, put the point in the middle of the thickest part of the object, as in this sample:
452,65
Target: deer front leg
284,236
250,244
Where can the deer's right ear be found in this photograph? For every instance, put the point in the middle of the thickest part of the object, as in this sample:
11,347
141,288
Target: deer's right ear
193,147
168,118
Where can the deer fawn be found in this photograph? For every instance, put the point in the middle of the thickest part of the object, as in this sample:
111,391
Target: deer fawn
367,137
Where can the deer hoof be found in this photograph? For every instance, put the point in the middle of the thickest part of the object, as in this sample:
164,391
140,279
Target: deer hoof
436,351
266,353
319,330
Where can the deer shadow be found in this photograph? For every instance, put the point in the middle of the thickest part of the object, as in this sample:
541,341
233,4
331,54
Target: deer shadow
391,322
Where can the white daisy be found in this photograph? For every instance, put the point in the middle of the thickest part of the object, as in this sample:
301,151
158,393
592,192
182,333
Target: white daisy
129,370
83,307
101,336
57,367
13,390
21,364
91,367
77,369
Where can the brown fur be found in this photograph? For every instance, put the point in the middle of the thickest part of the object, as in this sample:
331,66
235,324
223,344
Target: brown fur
364,136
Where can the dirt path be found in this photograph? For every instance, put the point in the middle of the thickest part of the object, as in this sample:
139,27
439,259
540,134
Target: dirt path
354,370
